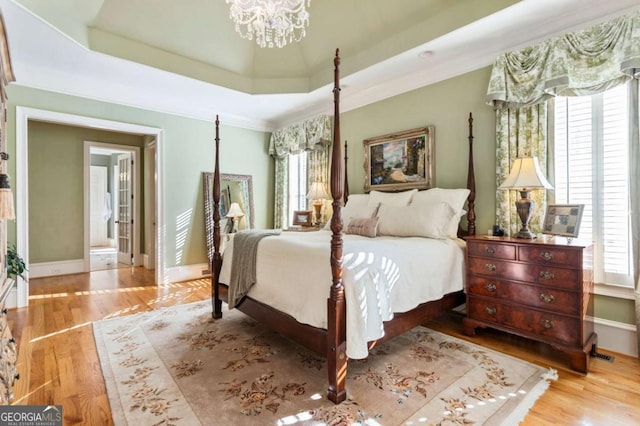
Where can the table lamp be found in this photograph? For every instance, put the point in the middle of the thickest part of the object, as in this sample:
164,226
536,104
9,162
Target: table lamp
233,214
317,193
525,175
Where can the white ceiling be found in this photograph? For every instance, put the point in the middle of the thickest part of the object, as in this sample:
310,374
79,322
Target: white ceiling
185,57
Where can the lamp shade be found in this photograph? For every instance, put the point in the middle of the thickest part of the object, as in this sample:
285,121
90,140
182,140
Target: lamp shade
317,192
525,174
235,211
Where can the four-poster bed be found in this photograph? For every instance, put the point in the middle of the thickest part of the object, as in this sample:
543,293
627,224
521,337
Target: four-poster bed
330,340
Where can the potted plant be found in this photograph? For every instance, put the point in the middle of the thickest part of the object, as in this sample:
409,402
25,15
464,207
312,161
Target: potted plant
15,264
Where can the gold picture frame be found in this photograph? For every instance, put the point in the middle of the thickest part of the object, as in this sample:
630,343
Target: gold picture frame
400,161
563,220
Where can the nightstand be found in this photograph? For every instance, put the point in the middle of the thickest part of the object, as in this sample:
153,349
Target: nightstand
539,289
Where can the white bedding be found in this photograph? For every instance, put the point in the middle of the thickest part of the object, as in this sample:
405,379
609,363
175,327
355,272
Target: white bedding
381,275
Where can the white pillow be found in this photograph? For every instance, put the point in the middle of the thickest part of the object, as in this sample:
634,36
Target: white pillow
355,211
391,198
358,200
431,221
454,197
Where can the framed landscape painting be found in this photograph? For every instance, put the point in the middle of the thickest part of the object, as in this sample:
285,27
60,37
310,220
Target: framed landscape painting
400,161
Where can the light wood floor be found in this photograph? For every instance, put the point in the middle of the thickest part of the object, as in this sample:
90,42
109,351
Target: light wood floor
58,362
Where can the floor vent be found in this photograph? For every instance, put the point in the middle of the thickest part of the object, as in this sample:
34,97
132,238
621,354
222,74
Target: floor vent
609,358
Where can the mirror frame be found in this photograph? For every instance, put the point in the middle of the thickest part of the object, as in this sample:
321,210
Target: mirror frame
208,203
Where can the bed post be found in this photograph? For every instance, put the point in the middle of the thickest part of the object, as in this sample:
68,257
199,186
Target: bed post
336,307
216,263
471,185
345,196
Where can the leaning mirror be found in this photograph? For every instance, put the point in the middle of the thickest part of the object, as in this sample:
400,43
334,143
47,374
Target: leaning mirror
236,205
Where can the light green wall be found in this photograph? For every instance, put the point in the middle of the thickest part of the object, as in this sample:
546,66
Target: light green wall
446,105
188,151
56,184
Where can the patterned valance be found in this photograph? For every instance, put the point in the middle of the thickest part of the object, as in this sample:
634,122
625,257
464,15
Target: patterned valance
575,64
308,135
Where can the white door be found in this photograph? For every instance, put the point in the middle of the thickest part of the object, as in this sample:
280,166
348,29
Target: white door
99,207
150,206
125,210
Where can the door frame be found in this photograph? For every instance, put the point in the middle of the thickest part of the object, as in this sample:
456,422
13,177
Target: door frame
23,115
134,151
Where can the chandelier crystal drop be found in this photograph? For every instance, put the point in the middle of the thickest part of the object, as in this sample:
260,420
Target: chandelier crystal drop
272,23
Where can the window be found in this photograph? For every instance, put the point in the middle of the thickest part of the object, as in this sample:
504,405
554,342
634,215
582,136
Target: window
592,168
297,183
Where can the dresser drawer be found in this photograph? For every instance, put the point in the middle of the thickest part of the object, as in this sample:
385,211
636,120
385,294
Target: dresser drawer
483,286
562,329
563,278
550,255
484,310
491,250
550,299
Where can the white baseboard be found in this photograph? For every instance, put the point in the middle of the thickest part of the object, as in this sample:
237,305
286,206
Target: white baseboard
47,269
186,272
616,336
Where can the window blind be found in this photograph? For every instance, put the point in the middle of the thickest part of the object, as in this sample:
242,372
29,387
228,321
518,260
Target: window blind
591,168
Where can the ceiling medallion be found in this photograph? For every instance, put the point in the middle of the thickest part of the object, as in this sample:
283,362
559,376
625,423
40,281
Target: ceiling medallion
273,23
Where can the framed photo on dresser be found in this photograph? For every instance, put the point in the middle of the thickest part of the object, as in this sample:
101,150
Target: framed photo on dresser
563,219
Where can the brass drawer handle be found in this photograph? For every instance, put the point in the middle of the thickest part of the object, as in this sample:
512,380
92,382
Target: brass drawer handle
547,297
490,310
490,266
490,286
547,323
490,250
546,255
547,275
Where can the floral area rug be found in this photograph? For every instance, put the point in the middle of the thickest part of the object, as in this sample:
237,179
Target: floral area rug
177,366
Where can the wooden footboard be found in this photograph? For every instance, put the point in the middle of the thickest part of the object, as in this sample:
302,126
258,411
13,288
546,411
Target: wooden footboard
331,343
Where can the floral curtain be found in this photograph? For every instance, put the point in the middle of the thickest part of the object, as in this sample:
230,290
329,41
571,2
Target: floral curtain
311,135
575,64
519,132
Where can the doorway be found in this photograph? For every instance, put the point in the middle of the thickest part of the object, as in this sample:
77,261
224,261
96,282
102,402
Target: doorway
112,202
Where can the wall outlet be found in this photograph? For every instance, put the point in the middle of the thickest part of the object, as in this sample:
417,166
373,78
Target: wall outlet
206,272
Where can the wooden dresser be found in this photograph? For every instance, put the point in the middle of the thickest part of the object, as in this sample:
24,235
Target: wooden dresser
539,289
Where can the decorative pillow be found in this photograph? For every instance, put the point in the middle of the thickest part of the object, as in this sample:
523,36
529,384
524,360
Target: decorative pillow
415,220
391,198
454,197
367,227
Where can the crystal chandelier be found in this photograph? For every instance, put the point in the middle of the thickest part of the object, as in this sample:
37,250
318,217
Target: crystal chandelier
270,22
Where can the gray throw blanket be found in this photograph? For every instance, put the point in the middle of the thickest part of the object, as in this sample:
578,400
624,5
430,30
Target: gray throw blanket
243,263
